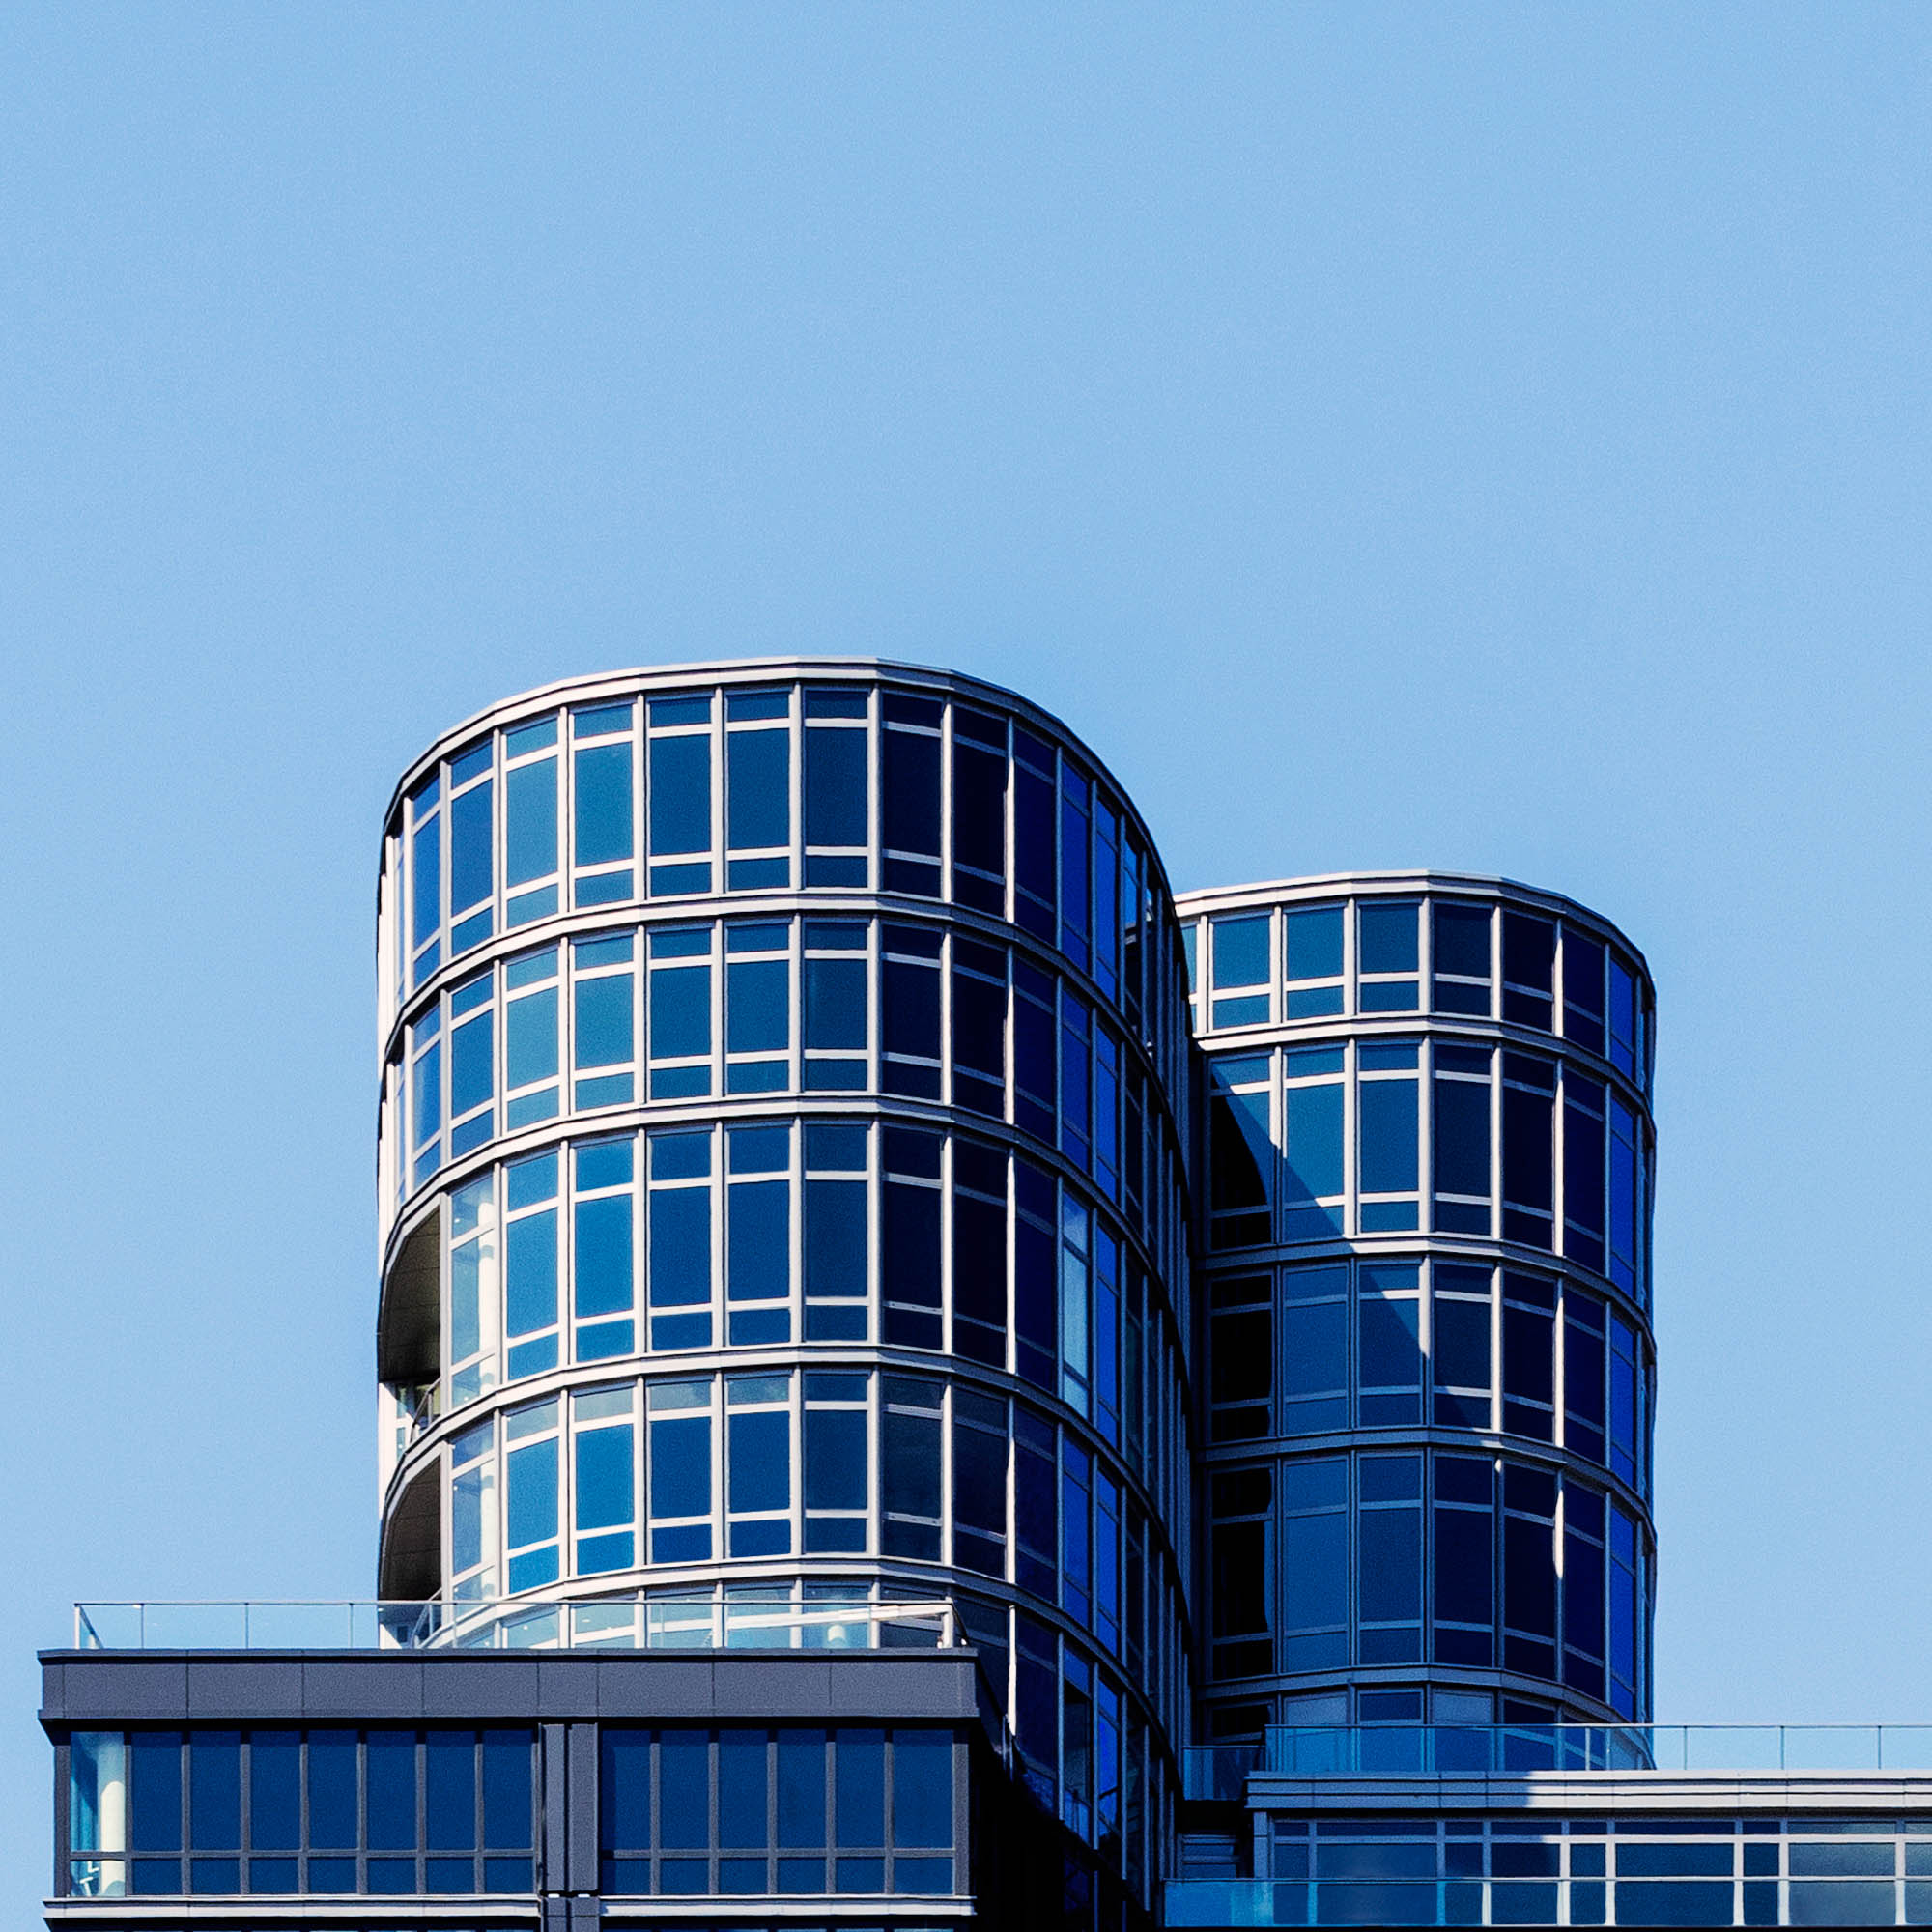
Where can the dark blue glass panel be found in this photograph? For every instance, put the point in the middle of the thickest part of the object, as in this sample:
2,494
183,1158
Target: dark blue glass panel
471,873
215,1791
680,1469
757,1008
684,1790
449,1792
471,1064
1314,1136
760,1465
835,1004
391,1877
921,1788
603,805
1314,942
741,1790
602,1255
912,794
624,1792
1387,936
215,1875
331,1791
604,1494
835,788
1240,952
154,1806
275,1790
759,1246
680,795
758,773
1387,1113
835,1459
680,1247
680,1013
1462,1137
270,1875
861,1787
506,1790
391,1791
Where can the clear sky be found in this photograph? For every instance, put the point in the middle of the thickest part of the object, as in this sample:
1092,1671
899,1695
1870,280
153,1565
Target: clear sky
1482,437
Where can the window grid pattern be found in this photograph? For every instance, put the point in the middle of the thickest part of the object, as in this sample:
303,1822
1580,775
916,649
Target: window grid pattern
382,1811
794,1809
1630,1871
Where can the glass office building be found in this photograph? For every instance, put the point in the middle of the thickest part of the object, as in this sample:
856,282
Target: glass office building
844,1225
1425,1272
783,1154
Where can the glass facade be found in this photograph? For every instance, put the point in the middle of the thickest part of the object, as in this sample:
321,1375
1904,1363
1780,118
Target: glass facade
1423,1260
782,1154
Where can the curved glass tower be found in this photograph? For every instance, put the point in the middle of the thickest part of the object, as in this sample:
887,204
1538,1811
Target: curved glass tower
1423,1262
782,1206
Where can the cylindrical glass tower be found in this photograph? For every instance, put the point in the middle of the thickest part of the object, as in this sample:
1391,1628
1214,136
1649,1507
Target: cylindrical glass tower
783,1208
1423,1259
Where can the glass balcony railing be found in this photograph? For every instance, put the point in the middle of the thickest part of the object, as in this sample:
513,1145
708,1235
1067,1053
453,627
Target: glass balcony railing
657,1622
1398,1751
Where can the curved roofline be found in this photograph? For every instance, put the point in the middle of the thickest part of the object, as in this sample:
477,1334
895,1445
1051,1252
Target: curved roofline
1272,891
736,670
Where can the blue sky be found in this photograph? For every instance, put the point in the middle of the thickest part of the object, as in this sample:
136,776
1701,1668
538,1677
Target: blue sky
1491,438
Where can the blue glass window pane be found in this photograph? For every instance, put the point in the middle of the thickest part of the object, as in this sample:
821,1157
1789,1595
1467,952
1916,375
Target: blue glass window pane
530,1294
1462,1137
1390,1351
680,1247
1387,1115
332,1791
426,880
835,1004
603,805
215,1790
449,1795
680,795
1314,942
760,1465
603,1021
759,1245
1387,938
921,1788
531,844
680,1013
507,1791
274,1791
603,1258
1313,1125
802,1790
835,1459
861,1786
604,1493
758,1010
1240,952
835,788
834,1239
684,1789
680,1473
759,771
741,1790
532,1514
391,1791
533,1038
470,880
471,1063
